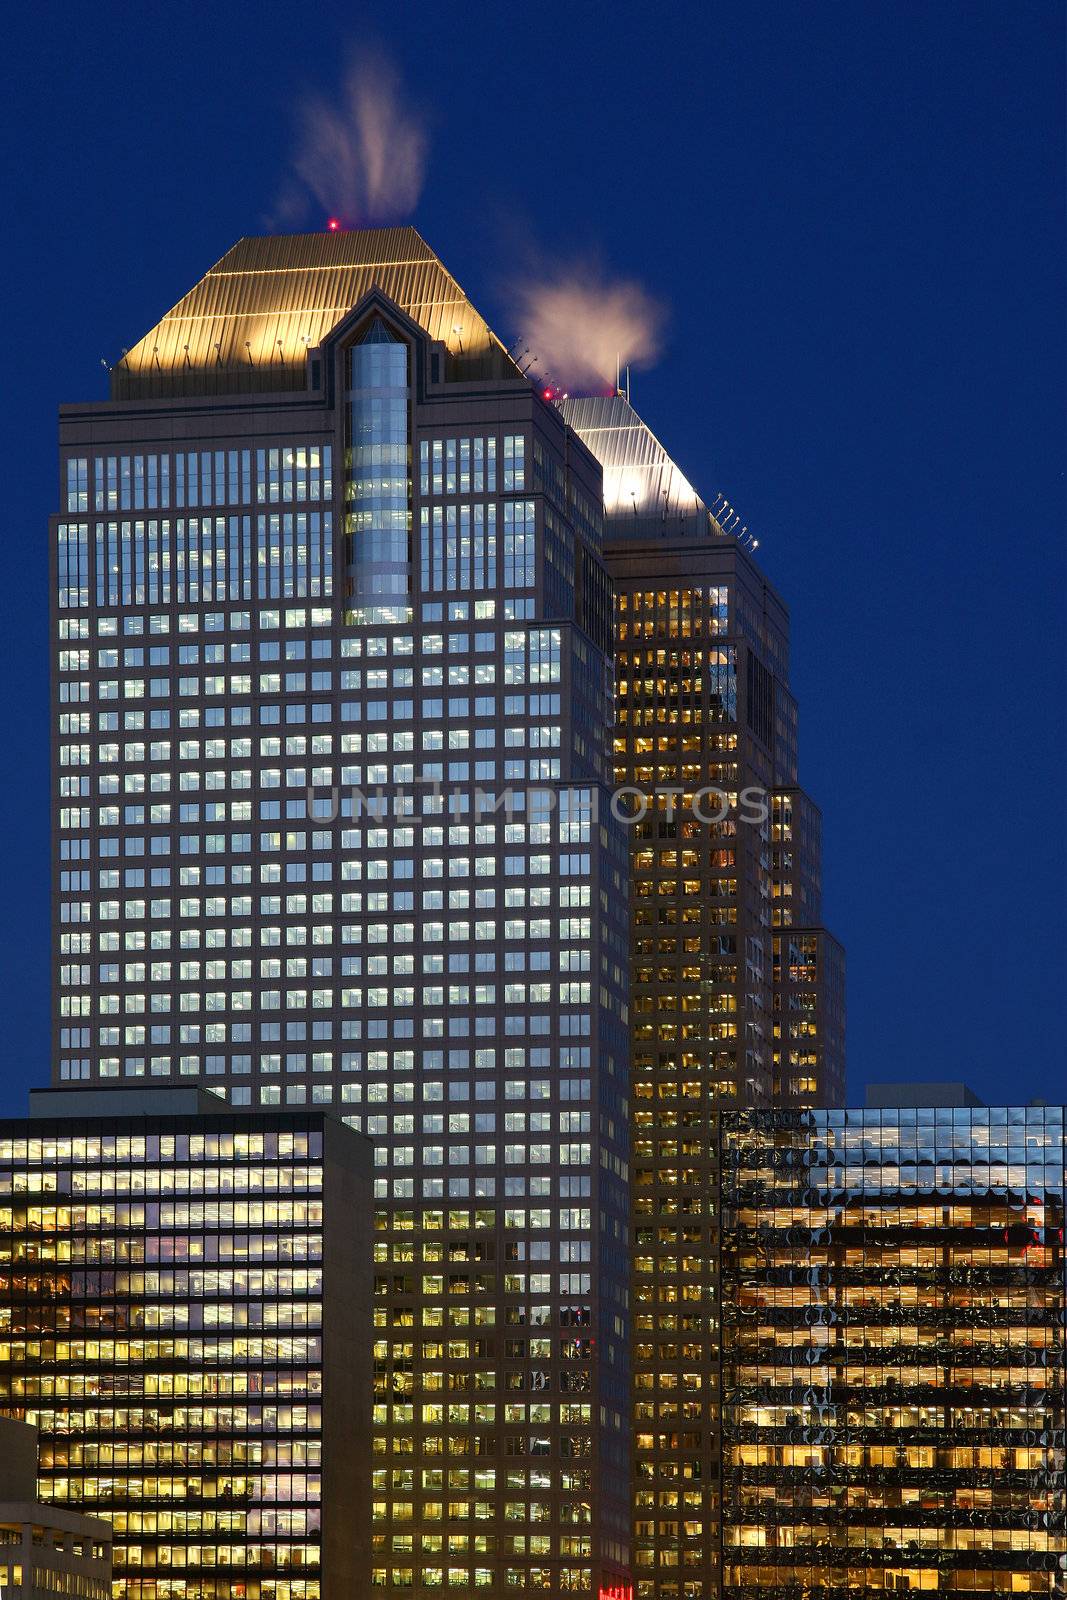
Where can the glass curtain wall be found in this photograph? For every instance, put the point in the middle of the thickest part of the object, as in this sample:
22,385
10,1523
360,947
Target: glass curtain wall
378,477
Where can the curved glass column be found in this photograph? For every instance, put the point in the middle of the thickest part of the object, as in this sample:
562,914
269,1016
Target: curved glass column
378,477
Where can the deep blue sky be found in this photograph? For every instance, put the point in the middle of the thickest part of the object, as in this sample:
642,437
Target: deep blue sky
854,212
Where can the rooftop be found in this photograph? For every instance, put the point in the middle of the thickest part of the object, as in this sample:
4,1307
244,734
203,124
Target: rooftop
251,320
888,1096
125,1100
18,1488
645,491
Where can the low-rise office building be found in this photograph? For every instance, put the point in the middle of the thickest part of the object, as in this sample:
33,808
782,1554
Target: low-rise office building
185,1315
893,1351
45,1551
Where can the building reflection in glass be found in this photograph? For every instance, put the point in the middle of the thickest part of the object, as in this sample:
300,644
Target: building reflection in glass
893,1351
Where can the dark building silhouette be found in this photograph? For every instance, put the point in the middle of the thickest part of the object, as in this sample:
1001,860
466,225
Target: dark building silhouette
45,1549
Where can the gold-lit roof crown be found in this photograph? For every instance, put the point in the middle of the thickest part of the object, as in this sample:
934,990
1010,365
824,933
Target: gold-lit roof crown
250,321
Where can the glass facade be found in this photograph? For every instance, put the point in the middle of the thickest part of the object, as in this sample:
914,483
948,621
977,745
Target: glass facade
180,1317
893,1352
378,476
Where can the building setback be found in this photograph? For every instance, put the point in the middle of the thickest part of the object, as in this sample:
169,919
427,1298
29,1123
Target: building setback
45,1550
737,991
893,1351
325,541
185,1316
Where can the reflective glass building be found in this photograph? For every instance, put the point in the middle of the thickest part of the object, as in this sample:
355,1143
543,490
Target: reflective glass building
893,1352
185,1316
332,703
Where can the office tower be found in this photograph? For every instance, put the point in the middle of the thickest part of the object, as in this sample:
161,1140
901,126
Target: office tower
45,1550
893,1361
729,847
332,637
186,1318
737,992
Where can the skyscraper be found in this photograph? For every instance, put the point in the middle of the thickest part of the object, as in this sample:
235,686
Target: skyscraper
737,992
728,847
332,644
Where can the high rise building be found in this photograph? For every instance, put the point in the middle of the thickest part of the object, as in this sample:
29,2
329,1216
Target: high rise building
185,1316
894,1363
737,991
332,640
728,848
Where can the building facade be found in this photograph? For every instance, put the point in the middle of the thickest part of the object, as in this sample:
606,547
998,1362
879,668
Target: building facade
45,1550
332,637
727,847
737,992
185,1317
355,632
893,1351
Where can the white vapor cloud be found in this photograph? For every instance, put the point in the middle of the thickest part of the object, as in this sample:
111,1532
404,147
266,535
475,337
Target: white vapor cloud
361,154
578,323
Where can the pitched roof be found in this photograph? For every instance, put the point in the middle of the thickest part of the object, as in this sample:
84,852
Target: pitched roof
251,319
643,487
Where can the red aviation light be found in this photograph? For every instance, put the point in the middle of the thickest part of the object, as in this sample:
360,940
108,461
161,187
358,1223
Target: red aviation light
333,225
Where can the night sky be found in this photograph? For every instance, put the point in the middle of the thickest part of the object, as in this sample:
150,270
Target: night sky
853,215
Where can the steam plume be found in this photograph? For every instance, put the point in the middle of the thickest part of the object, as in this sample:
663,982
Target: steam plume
578,324
362,154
